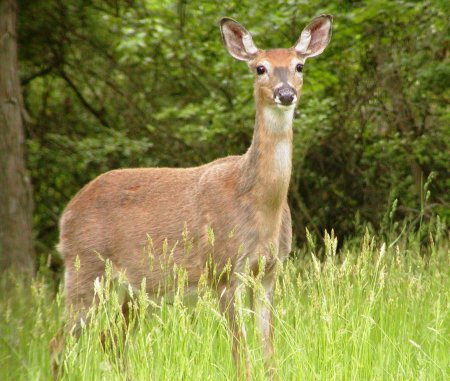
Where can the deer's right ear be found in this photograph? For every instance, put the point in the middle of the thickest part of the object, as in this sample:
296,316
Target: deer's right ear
237,40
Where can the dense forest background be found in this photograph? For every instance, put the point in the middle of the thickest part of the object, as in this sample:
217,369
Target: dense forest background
111,84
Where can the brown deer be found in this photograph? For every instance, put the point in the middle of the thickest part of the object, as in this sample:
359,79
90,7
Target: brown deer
115,213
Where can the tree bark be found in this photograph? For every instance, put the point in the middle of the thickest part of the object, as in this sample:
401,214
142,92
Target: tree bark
16,243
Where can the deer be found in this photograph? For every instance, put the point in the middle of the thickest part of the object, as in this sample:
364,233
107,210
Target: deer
114,214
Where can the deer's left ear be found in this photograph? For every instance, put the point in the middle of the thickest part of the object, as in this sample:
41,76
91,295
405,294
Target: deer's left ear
238,40
315,37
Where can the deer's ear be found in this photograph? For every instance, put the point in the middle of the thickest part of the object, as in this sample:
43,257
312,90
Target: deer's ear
237,40
315,37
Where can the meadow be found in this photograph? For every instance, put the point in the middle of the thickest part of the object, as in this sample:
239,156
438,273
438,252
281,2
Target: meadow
370,310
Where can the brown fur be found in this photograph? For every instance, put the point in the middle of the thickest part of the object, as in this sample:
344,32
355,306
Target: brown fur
243,199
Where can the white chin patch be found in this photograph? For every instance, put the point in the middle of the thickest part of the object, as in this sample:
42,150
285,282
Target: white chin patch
278,118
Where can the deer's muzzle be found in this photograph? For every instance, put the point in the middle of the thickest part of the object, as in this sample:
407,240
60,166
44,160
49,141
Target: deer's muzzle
285,95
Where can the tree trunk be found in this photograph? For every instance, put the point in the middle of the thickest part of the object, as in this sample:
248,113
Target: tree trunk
16,245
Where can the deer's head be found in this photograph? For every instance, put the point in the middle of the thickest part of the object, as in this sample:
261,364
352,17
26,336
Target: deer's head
278,72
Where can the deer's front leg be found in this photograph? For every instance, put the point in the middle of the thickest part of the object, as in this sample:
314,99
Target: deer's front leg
228,297
264,320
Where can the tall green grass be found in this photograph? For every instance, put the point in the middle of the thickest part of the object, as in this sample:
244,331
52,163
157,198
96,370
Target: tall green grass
372,311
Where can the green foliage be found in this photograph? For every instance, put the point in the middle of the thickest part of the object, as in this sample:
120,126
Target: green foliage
371,311
118,84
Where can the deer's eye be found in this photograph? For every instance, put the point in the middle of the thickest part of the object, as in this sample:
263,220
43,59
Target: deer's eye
261,69
299,68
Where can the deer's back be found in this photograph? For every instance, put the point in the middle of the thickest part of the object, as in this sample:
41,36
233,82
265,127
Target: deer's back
125,214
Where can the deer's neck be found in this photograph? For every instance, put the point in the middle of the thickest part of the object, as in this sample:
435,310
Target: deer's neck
268,162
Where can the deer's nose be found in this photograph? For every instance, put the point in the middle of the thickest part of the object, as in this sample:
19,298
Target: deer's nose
285,95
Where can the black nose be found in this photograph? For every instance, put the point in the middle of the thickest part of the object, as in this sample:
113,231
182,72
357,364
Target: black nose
286,95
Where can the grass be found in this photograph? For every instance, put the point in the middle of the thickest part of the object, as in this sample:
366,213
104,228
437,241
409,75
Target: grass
372,311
